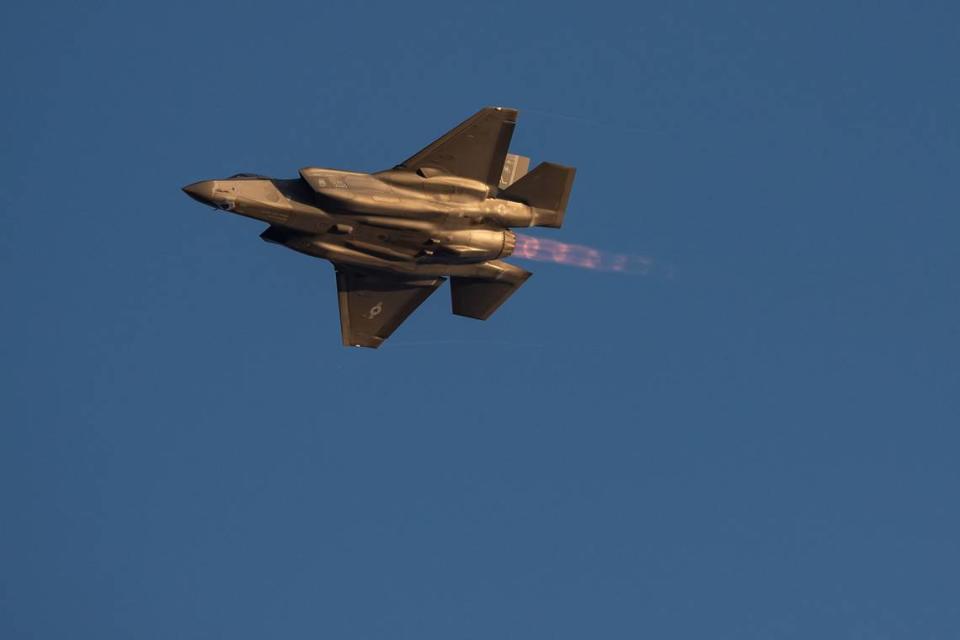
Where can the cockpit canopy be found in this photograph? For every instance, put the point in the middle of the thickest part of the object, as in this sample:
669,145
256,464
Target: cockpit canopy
247,176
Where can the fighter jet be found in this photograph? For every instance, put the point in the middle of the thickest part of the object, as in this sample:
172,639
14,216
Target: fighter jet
394,236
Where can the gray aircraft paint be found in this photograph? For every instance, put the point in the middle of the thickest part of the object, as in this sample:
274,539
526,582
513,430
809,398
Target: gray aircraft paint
396,235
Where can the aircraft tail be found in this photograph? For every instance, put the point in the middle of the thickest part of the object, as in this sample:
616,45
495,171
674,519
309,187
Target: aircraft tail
547,190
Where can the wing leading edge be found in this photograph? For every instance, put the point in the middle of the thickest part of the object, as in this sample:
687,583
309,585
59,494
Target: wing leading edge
475,149
373,305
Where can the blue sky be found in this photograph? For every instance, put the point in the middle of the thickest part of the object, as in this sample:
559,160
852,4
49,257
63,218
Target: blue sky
761,445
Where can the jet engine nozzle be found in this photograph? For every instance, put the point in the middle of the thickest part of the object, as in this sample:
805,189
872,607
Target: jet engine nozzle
509,243
477,245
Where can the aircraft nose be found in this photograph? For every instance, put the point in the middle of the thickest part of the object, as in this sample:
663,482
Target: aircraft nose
200,191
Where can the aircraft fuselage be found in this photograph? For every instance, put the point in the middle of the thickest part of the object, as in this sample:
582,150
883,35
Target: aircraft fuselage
393,221
395,236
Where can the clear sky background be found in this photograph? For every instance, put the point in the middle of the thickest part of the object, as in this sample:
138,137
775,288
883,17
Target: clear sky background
759,439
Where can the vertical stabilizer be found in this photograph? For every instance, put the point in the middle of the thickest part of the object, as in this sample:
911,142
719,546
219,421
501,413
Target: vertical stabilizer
514,168
546,189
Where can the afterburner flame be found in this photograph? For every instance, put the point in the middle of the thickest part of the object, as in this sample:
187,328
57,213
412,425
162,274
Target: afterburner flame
575,255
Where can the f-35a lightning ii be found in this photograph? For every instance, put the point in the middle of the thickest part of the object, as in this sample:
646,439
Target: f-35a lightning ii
392,236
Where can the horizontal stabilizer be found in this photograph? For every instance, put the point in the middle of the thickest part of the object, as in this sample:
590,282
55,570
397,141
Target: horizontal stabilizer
478,299
546,189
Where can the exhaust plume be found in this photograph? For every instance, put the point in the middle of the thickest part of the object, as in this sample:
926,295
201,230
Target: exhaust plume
575,255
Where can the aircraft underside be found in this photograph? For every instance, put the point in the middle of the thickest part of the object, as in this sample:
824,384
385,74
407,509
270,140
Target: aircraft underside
395,236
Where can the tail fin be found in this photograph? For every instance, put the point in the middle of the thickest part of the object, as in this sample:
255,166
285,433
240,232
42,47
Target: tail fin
514,168
546,189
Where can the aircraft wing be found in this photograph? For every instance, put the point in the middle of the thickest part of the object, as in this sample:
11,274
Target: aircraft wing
373,305
475,149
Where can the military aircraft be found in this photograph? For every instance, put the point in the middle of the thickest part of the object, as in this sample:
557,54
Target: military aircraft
394,235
